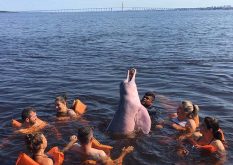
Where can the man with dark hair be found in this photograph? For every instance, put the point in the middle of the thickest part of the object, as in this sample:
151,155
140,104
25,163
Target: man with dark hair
85,137
147,101
30,122
87,152
29,117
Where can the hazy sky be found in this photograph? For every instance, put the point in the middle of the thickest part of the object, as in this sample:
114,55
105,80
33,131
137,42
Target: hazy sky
19,5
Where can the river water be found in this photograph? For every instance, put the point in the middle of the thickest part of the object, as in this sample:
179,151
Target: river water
178,54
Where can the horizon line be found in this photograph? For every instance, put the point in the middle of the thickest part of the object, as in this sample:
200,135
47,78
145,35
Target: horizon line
122,8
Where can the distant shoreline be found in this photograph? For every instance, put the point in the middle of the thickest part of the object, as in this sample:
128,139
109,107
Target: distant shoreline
126,9
8,12
207,8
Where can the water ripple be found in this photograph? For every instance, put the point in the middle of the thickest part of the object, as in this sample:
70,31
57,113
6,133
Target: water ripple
180,55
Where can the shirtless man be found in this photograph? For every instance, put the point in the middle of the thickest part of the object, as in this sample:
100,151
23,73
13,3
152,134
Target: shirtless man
85,137
30,121
87,152
29,117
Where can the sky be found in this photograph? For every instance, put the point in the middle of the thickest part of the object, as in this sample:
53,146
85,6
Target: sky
28,5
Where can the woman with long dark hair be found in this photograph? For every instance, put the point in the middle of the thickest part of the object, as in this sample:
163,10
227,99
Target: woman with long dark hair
211,138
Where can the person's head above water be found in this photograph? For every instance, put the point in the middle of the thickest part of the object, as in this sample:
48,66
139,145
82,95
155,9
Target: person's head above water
85,134
61,104
148,99
187,110
35,142
210,127
29,115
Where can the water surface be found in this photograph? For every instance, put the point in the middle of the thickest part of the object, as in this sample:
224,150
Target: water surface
178,54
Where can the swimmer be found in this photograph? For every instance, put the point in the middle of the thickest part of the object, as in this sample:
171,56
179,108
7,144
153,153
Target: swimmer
187,112
211,137
29,117
63,112
85,149
85,137
30,121
147,101
37,144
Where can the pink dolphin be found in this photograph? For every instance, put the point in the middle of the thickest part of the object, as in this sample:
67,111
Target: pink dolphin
131,115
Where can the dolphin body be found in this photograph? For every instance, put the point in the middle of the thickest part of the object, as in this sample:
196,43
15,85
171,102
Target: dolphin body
131,115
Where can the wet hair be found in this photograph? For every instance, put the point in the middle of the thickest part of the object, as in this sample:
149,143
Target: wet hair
26,112
151,94
33,142
212,123
85,134
62,99
190,109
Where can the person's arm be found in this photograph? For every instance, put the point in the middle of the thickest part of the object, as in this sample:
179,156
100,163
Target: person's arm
185,136
209,148
190,126
172,115
108,161
177,127
189,129
73,139
124,152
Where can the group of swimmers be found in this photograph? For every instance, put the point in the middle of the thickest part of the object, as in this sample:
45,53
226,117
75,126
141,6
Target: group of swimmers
88,148
207,136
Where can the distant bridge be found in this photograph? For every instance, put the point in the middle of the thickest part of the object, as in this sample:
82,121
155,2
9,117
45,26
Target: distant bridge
103,9
109,9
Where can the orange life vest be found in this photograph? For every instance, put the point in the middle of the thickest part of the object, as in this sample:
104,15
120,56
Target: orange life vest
24,159
56,155
79,107
97,145
54,152
208,148
18,124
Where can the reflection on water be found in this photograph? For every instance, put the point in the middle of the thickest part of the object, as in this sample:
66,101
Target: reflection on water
179,55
